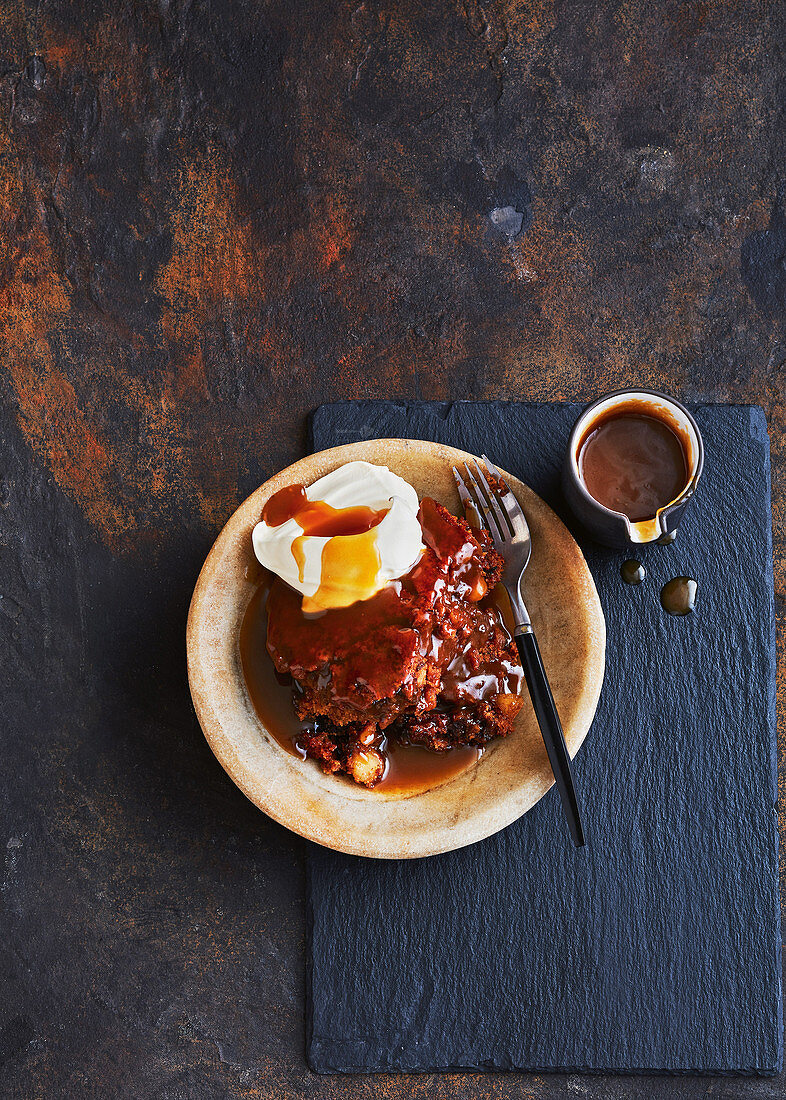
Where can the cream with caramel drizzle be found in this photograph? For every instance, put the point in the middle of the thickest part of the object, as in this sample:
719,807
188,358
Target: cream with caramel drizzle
350,558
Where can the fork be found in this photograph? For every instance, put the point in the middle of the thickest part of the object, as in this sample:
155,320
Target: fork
495,507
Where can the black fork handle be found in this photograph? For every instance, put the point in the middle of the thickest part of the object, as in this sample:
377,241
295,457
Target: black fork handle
551,729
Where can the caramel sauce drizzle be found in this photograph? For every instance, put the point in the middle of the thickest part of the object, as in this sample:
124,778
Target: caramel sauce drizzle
350,567
350,558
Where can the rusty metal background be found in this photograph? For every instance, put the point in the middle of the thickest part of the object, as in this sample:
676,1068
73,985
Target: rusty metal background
214,216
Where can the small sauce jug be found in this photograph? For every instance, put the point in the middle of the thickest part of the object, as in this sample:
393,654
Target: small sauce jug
623,446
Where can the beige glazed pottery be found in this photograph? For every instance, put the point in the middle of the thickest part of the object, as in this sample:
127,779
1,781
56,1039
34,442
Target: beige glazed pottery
513,773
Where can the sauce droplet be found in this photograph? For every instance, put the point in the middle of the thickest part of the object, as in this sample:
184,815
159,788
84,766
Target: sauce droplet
667,539
633,572
678,597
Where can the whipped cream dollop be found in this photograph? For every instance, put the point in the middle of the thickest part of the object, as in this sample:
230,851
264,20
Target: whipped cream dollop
336,569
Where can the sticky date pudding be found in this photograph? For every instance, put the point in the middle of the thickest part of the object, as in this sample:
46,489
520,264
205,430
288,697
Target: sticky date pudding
424,663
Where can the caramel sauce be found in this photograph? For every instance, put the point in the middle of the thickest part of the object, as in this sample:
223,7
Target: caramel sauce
316,517
667,539
270,693
632,572
410,768
350,567
462,683
283,505
678,597
349,564
299,554
633,462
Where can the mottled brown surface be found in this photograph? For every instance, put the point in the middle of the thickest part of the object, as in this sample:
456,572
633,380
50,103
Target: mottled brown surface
213,218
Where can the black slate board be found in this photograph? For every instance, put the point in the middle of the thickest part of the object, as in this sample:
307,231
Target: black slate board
656,948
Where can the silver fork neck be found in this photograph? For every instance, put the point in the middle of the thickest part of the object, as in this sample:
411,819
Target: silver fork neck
521,620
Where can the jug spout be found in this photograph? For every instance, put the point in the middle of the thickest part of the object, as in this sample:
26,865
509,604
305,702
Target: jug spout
645,530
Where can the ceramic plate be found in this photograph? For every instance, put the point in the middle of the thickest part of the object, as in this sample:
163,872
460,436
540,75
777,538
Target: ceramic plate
513,773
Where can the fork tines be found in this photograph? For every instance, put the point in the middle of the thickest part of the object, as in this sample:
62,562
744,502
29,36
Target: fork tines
491,498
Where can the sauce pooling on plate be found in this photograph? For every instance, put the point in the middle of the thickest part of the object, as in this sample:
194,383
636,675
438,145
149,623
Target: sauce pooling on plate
633,463
410,768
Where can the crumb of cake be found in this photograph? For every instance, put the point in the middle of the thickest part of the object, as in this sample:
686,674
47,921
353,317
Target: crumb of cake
476,724
366,766
320,746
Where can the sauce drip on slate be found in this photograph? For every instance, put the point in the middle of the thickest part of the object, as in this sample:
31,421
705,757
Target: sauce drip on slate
411,768
678,597
633,463
633,572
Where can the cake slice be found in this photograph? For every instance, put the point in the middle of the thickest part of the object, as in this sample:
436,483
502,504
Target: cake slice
425,661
